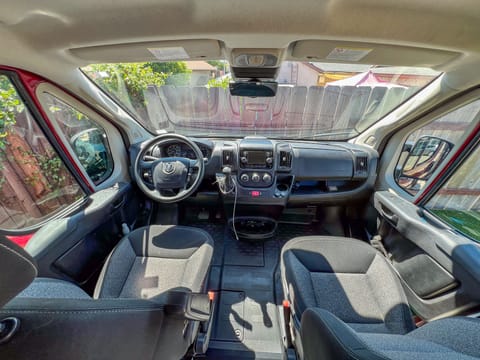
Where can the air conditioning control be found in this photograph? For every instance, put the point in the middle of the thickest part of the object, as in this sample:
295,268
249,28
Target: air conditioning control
255,177
244,178
267,178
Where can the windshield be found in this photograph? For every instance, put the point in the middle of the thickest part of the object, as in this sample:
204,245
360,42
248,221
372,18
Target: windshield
314,100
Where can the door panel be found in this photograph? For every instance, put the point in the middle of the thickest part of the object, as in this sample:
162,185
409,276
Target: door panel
75,247
439,268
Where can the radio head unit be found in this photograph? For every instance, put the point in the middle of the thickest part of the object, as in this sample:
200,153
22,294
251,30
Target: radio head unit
256,153
256,159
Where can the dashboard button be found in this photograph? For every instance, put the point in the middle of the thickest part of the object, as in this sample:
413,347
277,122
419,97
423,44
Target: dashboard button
267,178
255,177
244,178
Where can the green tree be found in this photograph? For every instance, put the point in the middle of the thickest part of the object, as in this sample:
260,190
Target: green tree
171,67
176,72
219,64
127,81
221,83
10,106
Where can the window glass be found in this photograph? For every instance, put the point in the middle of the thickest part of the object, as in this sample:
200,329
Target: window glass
426,148
86,137
34,182
458,201
314,100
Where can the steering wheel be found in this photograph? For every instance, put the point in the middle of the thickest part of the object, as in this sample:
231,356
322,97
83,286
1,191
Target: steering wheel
157,177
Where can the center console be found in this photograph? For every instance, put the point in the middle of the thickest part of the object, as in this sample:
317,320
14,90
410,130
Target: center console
256,163
261,169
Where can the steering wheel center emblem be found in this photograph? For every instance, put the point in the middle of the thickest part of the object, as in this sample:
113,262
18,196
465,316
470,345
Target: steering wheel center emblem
168,168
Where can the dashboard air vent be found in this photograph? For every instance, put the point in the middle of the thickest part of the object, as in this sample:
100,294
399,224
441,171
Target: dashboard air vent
361,164
285,159
227,157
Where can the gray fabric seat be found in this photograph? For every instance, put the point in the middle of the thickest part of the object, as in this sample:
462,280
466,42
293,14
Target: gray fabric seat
153,260
128,301
347,277
324,336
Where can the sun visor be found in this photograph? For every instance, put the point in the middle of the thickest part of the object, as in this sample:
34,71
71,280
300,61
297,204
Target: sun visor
369,53
151,51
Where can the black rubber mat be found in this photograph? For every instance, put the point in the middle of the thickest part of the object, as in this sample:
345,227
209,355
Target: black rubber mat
242,253
230,315
286,232
217,232
246,322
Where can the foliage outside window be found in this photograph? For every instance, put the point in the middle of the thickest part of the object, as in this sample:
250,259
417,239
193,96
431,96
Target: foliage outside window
458,201
446,131
128,81
86,137
34,182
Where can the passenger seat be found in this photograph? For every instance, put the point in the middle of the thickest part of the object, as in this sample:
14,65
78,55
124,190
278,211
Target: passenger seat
326,337
349,279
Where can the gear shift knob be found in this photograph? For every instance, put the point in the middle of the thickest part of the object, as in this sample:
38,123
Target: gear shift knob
227,170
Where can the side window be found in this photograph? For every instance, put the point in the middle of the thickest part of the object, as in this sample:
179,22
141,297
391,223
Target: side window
457,202
34,182
86,137
426,148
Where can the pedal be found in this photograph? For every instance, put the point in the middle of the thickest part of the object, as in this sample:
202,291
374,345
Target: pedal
203,215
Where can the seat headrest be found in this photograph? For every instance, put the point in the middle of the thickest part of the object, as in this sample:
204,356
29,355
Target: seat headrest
17,270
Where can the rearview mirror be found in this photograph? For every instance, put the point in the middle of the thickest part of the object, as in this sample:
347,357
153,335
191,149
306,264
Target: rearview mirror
424,158
254,88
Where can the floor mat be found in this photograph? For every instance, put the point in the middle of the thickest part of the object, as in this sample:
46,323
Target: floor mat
217,232
246,274
230,307
242,253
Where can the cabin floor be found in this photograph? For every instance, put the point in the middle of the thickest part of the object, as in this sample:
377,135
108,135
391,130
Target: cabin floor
248,320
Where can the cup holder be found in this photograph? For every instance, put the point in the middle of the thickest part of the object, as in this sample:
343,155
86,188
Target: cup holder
254,228
282,187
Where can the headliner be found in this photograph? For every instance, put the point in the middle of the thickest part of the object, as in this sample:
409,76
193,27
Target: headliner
53,38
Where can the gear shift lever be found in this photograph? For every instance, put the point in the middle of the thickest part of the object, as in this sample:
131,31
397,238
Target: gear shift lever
227,171
227,185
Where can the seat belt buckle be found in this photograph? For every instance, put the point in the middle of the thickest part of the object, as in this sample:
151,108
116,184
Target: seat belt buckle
203,338
287,315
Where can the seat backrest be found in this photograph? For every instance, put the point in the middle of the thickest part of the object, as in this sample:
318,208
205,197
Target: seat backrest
17,270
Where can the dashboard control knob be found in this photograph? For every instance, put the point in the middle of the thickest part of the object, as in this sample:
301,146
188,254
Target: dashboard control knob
244,178
269,160
255,177
267,178
244,160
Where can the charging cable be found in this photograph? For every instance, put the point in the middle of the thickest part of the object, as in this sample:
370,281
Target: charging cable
227,185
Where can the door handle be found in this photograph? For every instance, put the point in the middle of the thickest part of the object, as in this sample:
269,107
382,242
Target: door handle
389,215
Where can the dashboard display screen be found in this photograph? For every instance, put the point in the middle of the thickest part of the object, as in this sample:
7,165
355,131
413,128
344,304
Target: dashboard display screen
256,158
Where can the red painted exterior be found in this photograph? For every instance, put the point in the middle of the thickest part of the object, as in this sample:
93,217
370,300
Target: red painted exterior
31,81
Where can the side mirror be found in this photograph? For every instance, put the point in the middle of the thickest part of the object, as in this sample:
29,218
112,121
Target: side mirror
91,148
424,158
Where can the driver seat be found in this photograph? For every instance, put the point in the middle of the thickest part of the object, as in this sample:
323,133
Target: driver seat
130,315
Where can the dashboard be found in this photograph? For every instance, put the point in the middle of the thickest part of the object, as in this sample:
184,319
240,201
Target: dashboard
177,149
280,172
